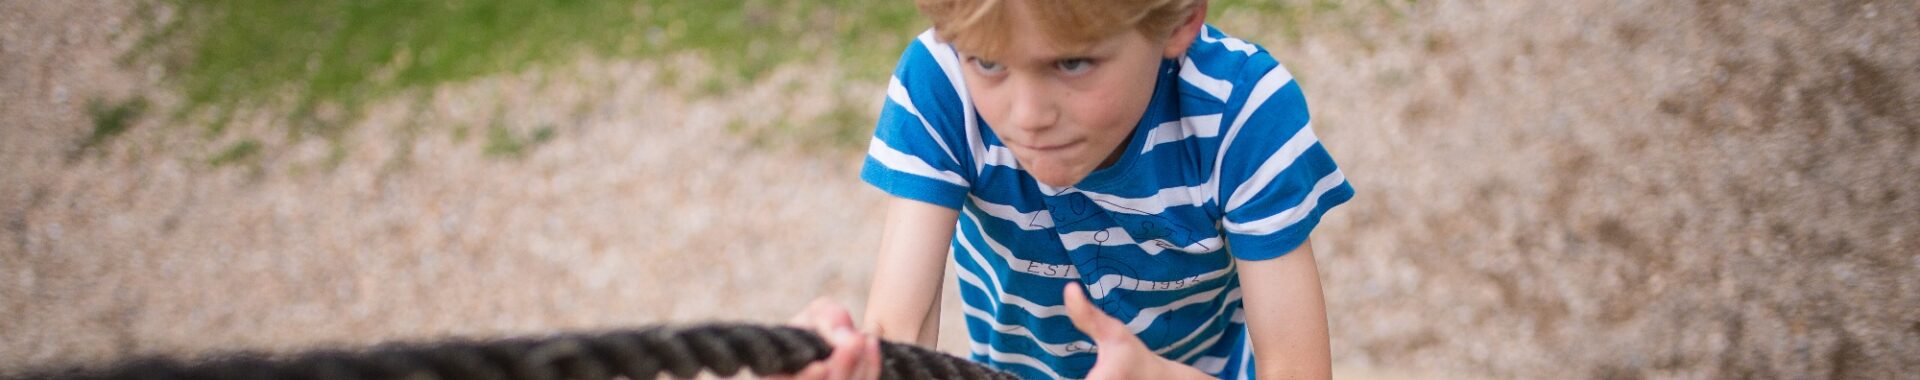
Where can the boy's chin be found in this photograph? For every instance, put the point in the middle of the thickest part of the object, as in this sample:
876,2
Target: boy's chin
1057,177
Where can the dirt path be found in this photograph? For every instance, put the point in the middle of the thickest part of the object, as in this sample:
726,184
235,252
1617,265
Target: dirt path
1568,189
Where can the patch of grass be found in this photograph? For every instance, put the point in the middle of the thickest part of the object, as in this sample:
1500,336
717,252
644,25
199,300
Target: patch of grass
503,142
111,119
846,126
229,54
712,87
460,133
239,152
324,60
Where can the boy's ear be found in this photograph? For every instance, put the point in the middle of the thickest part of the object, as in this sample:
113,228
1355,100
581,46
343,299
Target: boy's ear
1184,34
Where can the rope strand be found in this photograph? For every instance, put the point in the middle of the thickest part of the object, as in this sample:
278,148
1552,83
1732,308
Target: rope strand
724,349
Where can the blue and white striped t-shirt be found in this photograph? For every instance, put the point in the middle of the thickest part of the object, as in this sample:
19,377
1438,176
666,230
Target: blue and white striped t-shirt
1223,157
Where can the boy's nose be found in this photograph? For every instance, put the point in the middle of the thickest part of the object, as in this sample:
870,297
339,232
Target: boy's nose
1033,106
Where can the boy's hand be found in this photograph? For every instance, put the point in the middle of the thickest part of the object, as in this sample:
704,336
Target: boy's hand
1122,355
856,356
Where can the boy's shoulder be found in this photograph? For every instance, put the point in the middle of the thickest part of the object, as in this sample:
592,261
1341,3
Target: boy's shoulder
927,59
1232,87
928,73
1219,64
1216,47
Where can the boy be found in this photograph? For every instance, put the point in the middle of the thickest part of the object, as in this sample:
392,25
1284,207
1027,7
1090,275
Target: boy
1126,190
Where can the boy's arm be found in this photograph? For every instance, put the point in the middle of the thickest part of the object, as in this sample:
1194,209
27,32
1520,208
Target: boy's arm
903,302
1287,316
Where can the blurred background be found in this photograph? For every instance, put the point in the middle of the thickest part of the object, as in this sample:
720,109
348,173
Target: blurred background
1563,189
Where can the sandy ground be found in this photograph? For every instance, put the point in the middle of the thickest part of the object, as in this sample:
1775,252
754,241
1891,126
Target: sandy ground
1630,189
643,209
1579,189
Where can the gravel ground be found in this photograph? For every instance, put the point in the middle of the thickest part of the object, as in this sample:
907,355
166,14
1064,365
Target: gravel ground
642,209
1578,189
1713,189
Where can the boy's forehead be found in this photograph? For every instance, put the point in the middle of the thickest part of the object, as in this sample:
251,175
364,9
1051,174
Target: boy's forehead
1034,46
1007,30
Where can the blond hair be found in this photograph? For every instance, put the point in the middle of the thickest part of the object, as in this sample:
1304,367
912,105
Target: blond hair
982,26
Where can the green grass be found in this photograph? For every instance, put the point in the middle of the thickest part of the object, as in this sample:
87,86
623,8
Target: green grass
324,60
110,119
505,143
229,54
239,152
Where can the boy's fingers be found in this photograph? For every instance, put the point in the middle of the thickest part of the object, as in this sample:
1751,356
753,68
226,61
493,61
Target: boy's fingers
814,311
850,349
869,365
1089,319
813,371
825,317
825,309
870,360
847,347
835,319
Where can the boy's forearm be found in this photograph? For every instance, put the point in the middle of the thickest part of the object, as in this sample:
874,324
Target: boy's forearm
903,306
900,320
888,315
929,335
904,300
1286,315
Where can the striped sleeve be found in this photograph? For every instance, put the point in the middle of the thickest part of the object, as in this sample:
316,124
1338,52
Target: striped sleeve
918,146
1276,179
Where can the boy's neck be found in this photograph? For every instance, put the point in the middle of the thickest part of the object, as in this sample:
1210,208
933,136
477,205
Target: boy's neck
1118,151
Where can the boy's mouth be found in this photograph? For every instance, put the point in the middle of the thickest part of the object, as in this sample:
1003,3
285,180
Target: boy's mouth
1054,147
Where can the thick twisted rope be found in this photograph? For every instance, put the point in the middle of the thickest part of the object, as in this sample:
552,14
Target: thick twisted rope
682,352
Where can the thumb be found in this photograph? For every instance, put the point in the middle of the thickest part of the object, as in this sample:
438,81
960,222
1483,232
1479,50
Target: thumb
1089,319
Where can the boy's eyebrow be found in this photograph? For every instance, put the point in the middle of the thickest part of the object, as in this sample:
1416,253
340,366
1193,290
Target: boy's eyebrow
1081,51
1059,51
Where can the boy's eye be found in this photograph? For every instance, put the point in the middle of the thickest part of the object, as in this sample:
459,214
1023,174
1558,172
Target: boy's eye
987,67
1074,66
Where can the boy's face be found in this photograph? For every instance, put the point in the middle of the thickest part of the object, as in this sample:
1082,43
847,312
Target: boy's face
1064,111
